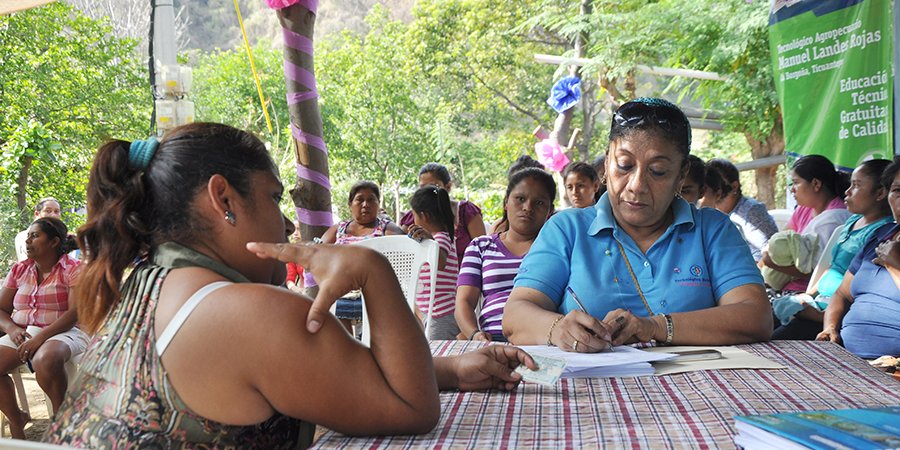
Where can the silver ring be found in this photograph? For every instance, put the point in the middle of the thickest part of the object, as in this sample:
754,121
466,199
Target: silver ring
575,347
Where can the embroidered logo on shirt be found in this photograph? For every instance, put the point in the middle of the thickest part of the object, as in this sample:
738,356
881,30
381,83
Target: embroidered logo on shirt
696,270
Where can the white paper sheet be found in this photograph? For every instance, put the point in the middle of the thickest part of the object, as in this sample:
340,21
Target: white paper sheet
622,361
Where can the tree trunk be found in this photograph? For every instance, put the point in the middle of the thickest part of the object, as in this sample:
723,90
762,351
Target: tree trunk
563,121
771,145
589,105
21,189
312,192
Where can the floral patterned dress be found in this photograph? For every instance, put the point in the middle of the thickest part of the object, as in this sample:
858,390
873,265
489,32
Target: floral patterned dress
122,398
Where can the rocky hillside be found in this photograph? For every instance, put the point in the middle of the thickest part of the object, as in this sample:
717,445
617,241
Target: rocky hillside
213,23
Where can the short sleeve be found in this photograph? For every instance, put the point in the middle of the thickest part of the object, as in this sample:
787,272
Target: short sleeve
291,272
762,220
547,266
470,267
443,240
72,270
407,219
12,279
468,210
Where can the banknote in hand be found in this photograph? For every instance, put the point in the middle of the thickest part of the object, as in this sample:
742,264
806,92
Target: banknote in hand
548,373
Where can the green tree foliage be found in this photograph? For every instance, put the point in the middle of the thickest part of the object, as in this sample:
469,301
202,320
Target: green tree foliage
66,84
457,85
375,126
730,38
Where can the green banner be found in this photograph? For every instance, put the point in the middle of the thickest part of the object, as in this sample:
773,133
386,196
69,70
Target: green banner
833,70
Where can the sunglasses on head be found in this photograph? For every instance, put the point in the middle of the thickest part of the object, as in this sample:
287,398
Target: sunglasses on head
664,115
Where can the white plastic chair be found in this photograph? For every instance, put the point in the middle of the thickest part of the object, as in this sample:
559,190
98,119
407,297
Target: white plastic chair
16,375
781,216
407,258
27,445
825,257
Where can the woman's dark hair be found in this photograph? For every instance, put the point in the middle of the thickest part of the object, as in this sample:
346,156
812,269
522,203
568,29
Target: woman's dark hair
133,209
714,182
696,171
652,115
522,162
434,202
581,168
599,166
360,185
890,172
539,175
811,167
728,171
55,228
439,171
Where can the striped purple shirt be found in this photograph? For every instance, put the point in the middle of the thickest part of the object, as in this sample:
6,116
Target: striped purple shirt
489,266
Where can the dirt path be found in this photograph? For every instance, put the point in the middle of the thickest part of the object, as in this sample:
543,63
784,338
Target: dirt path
37,406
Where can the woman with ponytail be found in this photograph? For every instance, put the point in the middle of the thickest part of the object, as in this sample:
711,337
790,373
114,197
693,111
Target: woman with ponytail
38,317
201,347
819,191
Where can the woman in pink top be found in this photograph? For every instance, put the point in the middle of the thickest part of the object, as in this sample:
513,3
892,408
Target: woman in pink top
38,318
365,204
819,191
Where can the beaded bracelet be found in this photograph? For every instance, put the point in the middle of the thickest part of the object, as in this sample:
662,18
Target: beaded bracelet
550,333
670,329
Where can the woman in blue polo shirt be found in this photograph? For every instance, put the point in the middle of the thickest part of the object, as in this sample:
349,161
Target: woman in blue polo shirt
642,263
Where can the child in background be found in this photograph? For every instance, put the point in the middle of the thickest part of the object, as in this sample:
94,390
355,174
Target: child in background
294,279
433,219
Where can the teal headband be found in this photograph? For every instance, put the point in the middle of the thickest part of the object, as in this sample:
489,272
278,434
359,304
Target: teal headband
141,152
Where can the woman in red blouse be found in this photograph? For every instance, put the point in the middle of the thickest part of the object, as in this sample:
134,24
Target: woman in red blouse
39,318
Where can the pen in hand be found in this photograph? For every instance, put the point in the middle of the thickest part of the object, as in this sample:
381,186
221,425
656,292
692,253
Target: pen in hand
583,309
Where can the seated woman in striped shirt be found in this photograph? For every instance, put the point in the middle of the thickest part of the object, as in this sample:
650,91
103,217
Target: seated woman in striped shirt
491,262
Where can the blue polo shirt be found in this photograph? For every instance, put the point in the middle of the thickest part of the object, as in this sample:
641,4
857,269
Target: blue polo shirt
699,258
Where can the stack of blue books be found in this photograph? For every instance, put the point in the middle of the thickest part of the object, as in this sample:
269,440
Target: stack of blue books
863,428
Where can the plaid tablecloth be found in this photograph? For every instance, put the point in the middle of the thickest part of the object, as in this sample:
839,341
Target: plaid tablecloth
690,410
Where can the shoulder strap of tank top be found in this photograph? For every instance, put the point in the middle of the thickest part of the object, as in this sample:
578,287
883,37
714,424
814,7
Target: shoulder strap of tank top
183,313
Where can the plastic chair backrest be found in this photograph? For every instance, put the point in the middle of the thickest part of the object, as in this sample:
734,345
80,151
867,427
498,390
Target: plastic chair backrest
825,258
407,258
781,216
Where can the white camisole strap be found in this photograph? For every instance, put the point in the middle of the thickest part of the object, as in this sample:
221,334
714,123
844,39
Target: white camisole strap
186,309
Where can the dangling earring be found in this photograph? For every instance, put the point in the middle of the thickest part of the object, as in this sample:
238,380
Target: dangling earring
230,218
